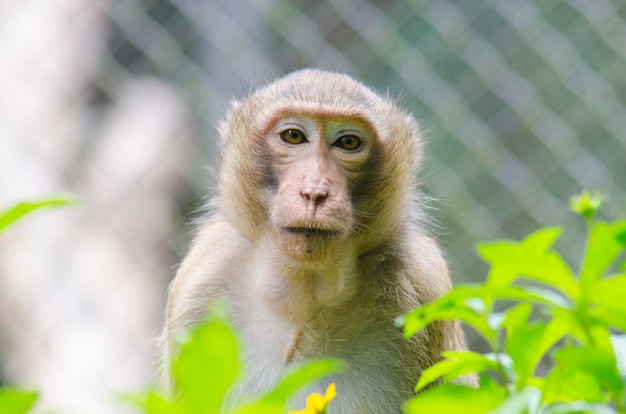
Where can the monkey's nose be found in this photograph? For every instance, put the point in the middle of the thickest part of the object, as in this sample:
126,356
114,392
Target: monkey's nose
314,196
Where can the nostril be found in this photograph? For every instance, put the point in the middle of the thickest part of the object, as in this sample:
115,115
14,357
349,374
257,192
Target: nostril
314,197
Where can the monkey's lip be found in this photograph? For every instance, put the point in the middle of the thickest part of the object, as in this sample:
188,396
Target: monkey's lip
311,231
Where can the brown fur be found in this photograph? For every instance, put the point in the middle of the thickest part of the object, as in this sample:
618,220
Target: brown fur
295,298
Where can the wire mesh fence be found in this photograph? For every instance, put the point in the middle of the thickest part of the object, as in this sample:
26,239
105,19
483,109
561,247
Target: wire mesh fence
116,102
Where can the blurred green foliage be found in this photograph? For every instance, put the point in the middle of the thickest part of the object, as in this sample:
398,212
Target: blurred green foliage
576,320
206,367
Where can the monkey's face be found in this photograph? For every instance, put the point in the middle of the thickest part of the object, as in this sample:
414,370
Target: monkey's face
316,160
316,163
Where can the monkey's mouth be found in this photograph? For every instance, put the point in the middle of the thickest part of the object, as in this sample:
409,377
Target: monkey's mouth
311,231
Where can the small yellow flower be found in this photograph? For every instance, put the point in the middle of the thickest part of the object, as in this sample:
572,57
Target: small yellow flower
316,403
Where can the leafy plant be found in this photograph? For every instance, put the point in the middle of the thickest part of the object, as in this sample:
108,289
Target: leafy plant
534,307
206,367
14,400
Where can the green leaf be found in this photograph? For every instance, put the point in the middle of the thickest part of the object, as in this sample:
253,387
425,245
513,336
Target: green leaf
536,243
565,384
582,374
521,345
607,298
532,258
275,400
13,214
456,399
528,343
517,315
604,245
16,401
577,407
152,403
607,316
607,304
456,364
523,402
460,304
451,306
585,328
206,366
610,292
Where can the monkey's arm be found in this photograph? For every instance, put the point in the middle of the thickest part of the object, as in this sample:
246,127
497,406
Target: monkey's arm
430,279
215,259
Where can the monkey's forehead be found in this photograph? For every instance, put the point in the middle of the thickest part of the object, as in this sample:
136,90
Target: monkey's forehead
327,94
324,90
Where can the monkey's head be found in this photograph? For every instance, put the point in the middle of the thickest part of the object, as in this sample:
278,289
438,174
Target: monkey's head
315,160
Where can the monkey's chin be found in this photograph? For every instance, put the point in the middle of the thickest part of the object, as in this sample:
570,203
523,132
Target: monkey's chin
309,244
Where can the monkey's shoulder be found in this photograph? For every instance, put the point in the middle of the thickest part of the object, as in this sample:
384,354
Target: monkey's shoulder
214,260
411,266
216,243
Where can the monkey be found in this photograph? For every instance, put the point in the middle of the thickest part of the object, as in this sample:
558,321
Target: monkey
317,240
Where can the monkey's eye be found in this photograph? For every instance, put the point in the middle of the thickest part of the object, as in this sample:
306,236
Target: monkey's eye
348,143
293,136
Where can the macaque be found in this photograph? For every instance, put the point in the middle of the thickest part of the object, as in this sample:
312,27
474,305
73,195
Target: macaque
316,242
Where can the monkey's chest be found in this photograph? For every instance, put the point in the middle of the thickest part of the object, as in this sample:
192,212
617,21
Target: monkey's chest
373,377
298,295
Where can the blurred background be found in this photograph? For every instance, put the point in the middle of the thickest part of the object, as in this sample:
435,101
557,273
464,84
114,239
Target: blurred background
116,102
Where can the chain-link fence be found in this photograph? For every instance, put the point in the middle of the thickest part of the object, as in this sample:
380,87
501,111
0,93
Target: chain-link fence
524,104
